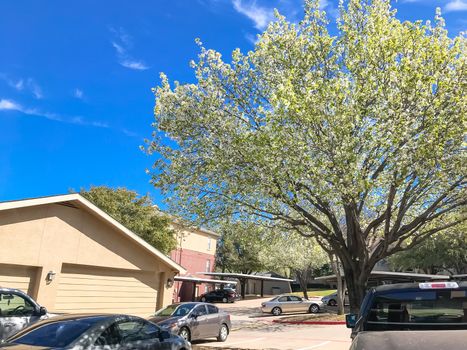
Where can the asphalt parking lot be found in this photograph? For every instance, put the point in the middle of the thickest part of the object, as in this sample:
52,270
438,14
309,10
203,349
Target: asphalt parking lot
253,330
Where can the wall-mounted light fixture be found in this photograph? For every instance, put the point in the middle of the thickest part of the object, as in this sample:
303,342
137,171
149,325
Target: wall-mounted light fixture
169,283
50,276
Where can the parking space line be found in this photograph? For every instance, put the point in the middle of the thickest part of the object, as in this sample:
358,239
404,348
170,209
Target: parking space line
315,346
245,341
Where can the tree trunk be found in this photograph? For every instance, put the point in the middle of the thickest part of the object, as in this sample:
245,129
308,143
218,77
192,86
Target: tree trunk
340,289
356,279
302,277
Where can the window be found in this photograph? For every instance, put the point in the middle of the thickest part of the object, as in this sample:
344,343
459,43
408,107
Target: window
294,298
139,330
283,299
110,336
413,310
15,305
55,334
209,243
208,265
212,309
200,310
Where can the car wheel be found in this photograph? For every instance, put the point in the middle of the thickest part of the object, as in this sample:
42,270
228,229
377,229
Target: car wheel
185,333
332,302
203,299
276,311
223,333
224,300
314,309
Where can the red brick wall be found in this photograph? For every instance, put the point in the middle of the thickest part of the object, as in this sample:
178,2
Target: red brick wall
193,262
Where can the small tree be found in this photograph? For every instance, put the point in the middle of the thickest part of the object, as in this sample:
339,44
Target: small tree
357,139
302,257
135,212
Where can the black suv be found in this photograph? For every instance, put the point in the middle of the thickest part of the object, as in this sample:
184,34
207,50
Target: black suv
219,295
17,310
429,316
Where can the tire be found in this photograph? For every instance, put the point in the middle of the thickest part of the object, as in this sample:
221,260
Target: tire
314,309
223,333
276,311
225,300
203,299
185,333
332,302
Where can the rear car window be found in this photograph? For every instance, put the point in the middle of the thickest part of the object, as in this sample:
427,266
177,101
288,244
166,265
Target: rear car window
433,309
54,335
212,309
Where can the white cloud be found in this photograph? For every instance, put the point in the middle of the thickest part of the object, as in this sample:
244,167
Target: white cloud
456,5
122,44
261,16
9,105
78,93
28,84
35,88
138,65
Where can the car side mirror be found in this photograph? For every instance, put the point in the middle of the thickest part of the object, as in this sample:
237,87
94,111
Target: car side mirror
164,335
350,320
42,311
194,316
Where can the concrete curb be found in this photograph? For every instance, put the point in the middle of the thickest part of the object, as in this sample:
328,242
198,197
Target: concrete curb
327,323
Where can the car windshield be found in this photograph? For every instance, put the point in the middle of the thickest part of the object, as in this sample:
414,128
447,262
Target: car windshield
176,310
55,335
428,309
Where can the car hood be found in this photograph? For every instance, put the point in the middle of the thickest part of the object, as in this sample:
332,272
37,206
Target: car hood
164,320
410,340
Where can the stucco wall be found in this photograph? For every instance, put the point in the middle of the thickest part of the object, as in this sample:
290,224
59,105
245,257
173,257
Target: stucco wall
51,235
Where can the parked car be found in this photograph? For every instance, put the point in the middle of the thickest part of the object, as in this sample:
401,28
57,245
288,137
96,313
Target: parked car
331,299
412,316
17,311
107,332
194,320
219,295
291,303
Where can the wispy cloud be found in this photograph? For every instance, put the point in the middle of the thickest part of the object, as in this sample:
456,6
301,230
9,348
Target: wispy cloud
261,16
329,7
78,93
9,105
138,65
23,84
456,5
122,44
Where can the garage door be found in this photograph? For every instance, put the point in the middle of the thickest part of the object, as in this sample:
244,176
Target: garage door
87,289
19,277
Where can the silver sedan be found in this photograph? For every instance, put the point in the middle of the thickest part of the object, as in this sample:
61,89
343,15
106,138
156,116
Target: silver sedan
291,303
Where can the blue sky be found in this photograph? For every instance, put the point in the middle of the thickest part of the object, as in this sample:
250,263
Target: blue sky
76,79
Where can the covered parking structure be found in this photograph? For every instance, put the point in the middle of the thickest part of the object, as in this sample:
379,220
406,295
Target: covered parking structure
196,280
244,278
389,277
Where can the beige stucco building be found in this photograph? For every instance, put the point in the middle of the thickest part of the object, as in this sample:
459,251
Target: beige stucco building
72,257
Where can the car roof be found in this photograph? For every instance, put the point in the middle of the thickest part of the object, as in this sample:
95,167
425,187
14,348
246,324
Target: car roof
411,286
71,317
6,289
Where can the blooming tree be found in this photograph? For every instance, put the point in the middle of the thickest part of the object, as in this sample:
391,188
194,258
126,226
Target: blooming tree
355,139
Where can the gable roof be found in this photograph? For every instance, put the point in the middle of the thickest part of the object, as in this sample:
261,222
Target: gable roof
82,202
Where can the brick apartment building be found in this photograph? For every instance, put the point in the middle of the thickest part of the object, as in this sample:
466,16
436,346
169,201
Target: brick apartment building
196,250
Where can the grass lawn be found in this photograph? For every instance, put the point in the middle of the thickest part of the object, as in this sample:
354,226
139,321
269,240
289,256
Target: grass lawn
316,292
